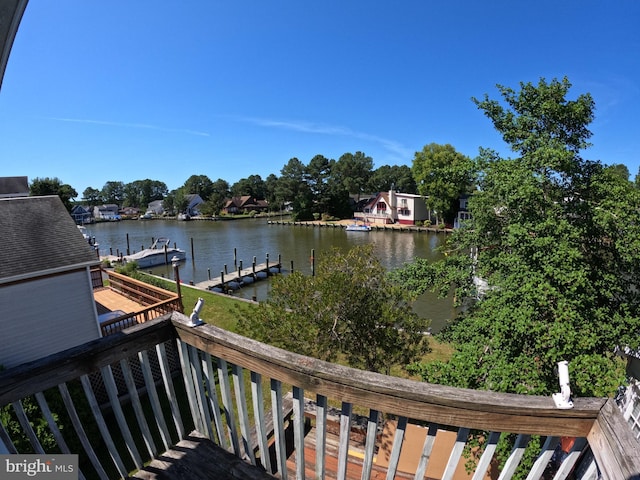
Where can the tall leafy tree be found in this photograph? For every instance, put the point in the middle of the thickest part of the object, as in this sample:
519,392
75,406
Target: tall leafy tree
551,253
386,177
91,196
348,308
353,170
217,198
253,186
113,192
442,175
293,187
198,185
53,186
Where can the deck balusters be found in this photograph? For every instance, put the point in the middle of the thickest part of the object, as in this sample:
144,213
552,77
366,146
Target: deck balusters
260,420
456,453
398,438
278,427
137,408
169,388
345,433
427,448
227,403
79,429
243,415
298,430
112,392
370,443
214,402
487,455
321,435
150,386
102,426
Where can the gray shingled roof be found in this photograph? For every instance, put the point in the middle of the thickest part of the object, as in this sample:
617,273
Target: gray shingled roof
38,235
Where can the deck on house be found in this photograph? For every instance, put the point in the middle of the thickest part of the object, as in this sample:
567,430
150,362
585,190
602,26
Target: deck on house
108,300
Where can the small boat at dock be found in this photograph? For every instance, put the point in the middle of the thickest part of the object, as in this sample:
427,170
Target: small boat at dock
358,227
160,253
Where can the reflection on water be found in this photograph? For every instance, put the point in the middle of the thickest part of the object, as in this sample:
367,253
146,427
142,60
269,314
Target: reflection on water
211,245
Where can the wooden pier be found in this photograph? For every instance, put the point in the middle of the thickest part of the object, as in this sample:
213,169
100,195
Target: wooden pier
240,275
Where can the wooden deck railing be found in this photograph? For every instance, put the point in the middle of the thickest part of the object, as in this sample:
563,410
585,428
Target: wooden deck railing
141,292
229,383
158,302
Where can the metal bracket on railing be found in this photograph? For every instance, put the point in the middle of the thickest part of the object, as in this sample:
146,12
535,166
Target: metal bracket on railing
195,319
563,398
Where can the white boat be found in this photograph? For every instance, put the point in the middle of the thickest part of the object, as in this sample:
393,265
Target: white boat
160,253
357,227
90,240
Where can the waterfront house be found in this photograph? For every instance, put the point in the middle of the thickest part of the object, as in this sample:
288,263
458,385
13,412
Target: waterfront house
395,207
244,204
82,215
155,207
192,206
45,283
109,211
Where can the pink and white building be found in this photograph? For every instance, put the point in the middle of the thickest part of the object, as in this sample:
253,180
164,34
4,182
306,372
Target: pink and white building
395,207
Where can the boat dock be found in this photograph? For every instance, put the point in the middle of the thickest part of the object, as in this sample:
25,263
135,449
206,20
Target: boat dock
228,280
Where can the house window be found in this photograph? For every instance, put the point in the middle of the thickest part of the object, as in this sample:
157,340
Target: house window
381,207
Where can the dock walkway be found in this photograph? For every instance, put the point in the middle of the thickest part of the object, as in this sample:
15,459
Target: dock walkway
255,272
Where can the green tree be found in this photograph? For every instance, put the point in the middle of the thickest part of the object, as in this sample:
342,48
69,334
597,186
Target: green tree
198,185
293,187
217,198
555,238
253,186
399,177
91,196
442,175
353,170
53,186
113,192
348,308
620,169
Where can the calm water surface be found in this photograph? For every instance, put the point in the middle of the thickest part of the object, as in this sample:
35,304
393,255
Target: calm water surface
214,244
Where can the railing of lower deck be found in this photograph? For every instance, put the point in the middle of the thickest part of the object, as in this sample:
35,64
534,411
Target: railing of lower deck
141,292
229,382
158,302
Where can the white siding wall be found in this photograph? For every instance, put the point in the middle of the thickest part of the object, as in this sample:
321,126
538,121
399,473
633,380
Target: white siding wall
46,316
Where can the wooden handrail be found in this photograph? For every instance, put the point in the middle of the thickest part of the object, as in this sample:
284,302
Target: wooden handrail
458,407
210,356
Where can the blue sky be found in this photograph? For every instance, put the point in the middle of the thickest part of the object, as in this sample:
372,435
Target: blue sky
129,90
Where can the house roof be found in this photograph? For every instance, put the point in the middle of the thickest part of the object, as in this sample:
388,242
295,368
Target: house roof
39,238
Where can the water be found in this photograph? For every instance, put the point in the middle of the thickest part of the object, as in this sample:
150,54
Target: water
214,243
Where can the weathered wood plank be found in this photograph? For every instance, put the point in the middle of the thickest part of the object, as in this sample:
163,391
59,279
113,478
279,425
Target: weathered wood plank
214,403
613,445
198,458
152,391
482,410
396,449
278,428
345,434
79,429
321,436
243,414
298,430
427,448
370,443
260,419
